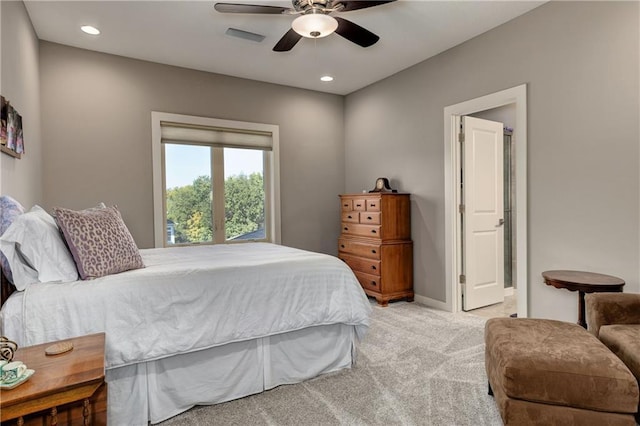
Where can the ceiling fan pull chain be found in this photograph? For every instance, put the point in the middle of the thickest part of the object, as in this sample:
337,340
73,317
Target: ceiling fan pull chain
315,52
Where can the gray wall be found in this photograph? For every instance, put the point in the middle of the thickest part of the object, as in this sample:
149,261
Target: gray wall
97,127
22,179
505,114
580,62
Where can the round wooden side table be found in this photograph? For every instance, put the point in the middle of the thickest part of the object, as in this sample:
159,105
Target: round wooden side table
583,282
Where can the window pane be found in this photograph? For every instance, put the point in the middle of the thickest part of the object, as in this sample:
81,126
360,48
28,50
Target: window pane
244,194
188,194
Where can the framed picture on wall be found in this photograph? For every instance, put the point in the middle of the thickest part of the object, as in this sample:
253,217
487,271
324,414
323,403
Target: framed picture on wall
11,128
3,120
19,136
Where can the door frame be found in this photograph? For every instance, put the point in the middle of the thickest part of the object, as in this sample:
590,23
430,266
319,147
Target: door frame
452,117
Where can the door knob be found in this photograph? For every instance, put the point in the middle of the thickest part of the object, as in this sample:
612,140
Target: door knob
500,223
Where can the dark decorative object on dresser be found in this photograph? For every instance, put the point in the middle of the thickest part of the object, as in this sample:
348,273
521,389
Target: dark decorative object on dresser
375,242
382,185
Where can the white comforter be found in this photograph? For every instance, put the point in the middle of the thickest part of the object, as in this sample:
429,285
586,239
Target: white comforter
191,298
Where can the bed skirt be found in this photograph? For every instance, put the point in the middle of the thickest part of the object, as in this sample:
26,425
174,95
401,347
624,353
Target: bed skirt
157,390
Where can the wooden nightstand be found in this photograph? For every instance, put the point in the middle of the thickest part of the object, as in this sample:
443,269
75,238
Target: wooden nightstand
66,389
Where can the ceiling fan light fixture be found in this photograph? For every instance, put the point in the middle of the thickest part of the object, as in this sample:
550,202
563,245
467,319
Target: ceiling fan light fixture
314,25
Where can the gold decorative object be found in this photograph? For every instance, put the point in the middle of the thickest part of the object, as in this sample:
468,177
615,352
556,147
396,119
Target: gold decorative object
7,348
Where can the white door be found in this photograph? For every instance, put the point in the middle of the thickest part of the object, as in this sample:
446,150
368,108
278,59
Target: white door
482,215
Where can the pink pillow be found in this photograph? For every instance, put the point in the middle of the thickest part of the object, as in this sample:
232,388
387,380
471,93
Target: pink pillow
99,241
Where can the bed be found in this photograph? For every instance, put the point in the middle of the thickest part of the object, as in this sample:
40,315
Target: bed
202,324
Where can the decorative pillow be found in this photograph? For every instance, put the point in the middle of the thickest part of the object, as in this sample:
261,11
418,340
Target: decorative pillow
97,207
9,210
35,250
99,241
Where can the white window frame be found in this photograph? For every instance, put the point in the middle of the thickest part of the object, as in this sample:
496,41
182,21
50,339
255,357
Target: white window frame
272,168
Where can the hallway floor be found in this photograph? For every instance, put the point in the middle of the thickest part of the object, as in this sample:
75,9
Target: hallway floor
503,309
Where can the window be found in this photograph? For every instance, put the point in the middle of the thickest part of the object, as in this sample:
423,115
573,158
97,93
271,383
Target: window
215,181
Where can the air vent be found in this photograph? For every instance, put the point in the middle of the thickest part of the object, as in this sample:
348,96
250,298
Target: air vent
234,32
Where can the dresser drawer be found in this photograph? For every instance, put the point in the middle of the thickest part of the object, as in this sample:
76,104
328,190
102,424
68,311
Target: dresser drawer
359,249
361,264
359,204
373,205
347,205
368,281
370,218
351,217
371,231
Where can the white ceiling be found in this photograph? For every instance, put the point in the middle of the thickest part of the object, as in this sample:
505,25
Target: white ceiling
191,34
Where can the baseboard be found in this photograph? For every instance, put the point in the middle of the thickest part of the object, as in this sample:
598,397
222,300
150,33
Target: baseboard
432,303
437,304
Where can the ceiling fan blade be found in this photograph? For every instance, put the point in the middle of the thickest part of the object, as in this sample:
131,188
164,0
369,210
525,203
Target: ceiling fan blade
359,4
355,33
287,41
249,8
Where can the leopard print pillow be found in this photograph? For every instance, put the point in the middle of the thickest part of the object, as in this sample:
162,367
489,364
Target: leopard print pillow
99,241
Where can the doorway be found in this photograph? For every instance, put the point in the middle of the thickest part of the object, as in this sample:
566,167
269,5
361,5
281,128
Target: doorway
516,99
506,115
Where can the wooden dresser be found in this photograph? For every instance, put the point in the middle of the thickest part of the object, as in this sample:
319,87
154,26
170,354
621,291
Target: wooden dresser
66,389
376,243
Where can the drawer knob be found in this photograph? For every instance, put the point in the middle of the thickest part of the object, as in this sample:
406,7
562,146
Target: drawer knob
346,229
341,245
350,217
368,217
373,251
373,231
346,205
358,205
373,267
374,283
373,205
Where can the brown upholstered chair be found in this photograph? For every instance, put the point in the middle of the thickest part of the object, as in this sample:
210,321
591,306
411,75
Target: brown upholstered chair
614,318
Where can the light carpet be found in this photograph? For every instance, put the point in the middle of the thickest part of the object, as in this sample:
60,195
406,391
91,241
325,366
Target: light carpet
416,366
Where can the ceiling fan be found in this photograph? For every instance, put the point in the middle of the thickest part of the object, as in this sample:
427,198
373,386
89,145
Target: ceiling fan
314,20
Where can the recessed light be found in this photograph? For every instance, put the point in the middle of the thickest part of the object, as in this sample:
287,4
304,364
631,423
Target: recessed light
90,30
326,78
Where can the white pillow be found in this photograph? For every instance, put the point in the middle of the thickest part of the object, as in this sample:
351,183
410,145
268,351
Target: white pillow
36,251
